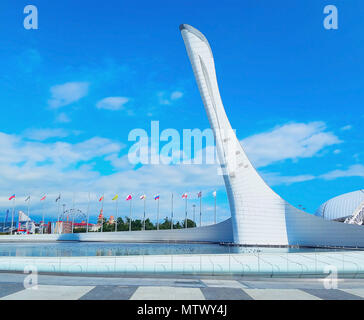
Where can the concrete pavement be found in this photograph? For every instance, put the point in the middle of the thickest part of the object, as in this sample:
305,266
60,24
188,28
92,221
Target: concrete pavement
60,287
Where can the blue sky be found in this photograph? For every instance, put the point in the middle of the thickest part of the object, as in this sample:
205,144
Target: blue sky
71,91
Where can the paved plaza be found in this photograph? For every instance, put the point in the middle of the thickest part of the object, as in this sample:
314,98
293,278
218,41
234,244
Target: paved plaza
60,287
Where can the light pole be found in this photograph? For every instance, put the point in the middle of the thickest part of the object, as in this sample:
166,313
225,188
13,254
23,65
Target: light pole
73,211
58,212
43,210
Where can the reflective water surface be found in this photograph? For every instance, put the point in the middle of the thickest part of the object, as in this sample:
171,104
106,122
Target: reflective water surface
76,249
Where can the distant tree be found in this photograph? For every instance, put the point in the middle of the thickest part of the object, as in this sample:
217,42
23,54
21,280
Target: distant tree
108,227
177,225
123,226
190,224
149,225
79,230
136,225
166,224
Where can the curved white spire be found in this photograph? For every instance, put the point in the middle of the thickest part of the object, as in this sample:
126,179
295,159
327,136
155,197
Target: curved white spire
259,215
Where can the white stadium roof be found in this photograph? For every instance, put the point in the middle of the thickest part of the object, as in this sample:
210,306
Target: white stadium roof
341,206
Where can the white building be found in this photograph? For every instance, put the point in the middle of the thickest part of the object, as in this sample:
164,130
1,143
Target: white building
341,207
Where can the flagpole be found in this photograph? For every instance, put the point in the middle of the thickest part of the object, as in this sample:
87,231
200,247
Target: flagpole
143,227
158,214
27,225
88,212
172,213
116,215
12,216
201,210
186,214
102,213
58,222
7,216
58,210
130,215
42,217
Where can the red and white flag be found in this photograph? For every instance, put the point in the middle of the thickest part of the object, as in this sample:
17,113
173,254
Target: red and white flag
129,197
184,196
102,198
43,198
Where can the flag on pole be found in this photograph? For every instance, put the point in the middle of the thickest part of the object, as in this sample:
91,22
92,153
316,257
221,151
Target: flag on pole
12,197
184,196
58,198
116,197
27,198
214,193
199,194
43,198
142,197
129,197
156,197
102,198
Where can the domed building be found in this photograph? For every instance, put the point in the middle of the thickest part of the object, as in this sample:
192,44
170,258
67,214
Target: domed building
342,207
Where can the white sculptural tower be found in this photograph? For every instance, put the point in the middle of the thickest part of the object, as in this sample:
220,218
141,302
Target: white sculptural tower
259,215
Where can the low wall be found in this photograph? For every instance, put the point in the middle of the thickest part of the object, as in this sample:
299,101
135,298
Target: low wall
320,264
221,232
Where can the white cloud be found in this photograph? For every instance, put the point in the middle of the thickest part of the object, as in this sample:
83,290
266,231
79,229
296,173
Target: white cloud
67,93
33,156
290,141
346,128
274,179
166,98
176,95
112,103
44,134
356,170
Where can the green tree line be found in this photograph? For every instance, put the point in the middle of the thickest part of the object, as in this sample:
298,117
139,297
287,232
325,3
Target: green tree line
123,225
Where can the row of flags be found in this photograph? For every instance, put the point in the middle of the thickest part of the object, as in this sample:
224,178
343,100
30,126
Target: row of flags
129,197
28,198
156,197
